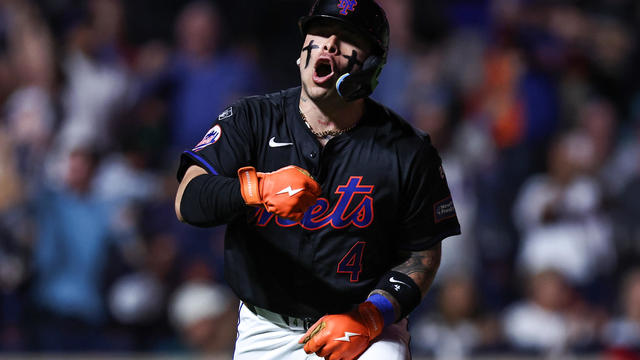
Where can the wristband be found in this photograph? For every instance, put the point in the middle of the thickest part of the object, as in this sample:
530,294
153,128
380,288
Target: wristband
384,306
403,289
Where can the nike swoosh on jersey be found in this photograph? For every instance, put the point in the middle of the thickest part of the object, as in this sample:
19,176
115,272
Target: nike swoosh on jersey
391,279
347,336
290,191
273,143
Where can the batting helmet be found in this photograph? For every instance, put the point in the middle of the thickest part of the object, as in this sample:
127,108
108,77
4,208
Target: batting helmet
363,17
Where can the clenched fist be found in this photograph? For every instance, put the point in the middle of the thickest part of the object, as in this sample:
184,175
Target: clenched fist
287,192
344,336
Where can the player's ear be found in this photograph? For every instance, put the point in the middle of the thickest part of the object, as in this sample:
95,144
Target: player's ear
298,62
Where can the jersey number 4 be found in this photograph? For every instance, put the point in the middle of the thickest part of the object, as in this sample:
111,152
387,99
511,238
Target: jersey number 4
351,263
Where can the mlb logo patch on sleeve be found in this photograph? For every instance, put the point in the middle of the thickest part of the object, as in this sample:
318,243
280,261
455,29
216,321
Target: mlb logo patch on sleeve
211,137
443,210
226,114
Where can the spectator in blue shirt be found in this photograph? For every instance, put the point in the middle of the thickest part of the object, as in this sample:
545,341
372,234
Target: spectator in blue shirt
70,258
201,77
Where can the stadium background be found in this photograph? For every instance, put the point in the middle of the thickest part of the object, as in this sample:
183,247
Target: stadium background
534,105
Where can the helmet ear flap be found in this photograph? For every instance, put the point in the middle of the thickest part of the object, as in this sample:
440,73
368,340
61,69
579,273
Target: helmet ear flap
360,84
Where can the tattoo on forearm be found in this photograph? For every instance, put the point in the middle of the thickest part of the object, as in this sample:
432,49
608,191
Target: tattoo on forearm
422,266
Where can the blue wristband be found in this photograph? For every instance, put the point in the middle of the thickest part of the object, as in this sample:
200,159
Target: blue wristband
385,307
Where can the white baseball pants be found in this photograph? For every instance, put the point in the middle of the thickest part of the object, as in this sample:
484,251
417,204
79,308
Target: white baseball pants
262,339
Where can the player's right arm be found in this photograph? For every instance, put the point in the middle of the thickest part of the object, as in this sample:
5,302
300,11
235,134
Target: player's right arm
218,181
204,199
192,172
207,199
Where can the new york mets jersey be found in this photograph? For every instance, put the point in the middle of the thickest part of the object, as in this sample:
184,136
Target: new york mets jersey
383,191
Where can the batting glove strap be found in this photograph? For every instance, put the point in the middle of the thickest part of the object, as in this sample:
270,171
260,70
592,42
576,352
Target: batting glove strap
403,289
344,336
249,185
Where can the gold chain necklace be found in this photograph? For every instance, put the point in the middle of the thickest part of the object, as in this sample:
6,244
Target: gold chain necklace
327,133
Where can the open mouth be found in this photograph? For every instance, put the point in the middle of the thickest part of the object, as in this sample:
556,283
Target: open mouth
323,71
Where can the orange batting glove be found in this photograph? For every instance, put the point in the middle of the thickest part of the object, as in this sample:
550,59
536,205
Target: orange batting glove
287,192
344,336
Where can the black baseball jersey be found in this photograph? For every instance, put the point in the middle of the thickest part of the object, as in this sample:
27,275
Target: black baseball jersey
383,190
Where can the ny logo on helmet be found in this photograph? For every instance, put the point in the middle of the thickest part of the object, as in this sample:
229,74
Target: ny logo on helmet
346,6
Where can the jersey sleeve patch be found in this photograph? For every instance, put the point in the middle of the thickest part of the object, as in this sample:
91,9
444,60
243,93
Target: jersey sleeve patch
211,137
226,114
443,210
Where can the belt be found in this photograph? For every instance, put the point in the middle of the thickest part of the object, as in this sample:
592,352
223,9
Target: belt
294,323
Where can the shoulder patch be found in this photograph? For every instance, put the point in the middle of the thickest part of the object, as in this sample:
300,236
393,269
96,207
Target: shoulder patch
443,210
226,114
209,138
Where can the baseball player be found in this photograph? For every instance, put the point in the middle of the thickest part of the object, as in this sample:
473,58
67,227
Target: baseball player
335,206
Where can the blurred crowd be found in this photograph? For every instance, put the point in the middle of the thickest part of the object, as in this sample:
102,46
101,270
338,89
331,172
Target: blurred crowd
534,106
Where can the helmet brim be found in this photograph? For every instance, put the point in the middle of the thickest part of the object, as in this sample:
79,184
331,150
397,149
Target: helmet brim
306,21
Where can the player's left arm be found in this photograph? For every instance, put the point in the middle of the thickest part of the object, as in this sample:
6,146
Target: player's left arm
427,217
421,267
346,336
